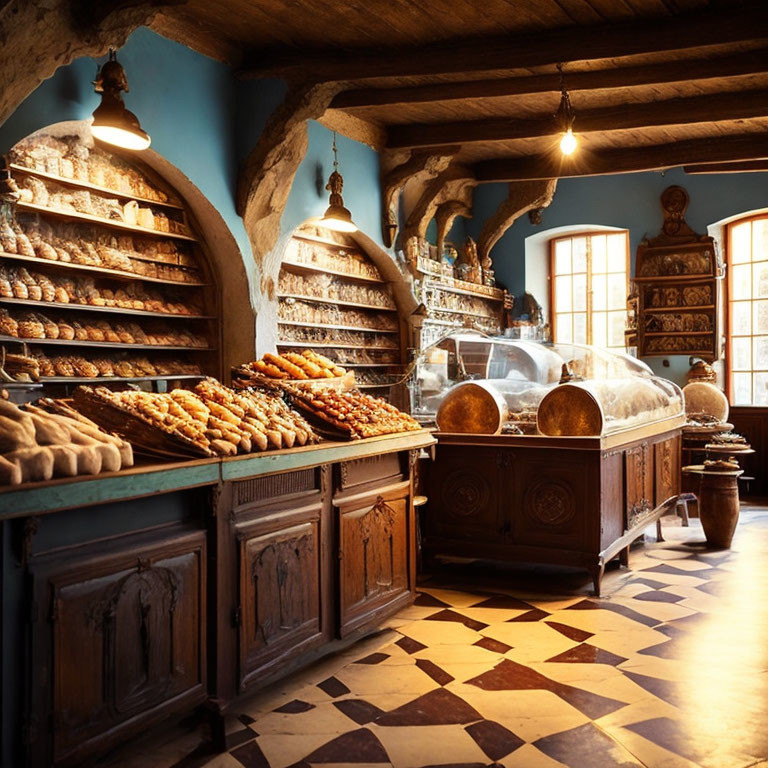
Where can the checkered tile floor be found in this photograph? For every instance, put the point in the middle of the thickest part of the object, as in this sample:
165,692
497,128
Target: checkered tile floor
669,670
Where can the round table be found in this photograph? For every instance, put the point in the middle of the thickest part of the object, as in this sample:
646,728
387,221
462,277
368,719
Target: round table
718,503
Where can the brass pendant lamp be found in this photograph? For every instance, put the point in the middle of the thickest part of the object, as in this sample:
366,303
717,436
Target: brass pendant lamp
336,216
566,117
112,122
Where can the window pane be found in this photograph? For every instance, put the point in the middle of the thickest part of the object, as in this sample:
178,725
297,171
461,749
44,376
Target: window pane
759,239
598,293
599,255
562,257
617,253
600,329
616,329
741,284
563,294
742,388
760,353
760,389
760,280
563,328
741,357
580,293
580,328
617,292
760,317
579,254
741,318
741,235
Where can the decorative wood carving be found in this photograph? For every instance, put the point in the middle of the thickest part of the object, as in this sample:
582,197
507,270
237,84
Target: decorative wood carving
465,493
419,166
454,183
261,488
445,215
521,198
550,503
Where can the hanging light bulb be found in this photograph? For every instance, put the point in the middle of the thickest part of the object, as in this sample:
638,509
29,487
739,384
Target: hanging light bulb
566,117
336,216
112,122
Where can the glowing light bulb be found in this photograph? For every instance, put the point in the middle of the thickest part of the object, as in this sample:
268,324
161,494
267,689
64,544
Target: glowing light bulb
568,143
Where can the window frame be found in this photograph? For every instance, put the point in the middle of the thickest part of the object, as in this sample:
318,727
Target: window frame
727,315
551,277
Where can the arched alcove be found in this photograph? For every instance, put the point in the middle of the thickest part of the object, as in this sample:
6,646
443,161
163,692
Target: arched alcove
236,329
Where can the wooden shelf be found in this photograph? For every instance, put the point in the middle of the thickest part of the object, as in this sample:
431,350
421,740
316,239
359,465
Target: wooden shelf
662,310
336,327
326,241
351,365
319,300
115,379
89,219
678,333
461,312
293,266
325,345
103,344
115,274
429,283
93,187
44,305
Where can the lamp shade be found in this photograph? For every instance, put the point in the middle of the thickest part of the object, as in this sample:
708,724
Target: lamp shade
112,122
336,216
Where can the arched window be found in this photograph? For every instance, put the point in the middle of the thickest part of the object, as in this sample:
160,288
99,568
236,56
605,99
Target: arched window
588,287
747,274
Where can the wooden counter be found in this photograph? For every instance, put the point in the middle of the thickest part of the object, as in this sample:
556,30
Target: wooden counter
132,596
575,501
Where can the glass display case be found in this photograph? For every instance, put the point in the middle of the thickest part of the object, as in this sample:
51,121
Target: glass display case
471,383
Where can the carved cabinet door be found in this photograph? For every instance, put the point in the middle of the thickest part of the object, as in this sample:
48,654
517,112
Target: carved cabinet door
639,481
373,560
667,470
279,594
125,641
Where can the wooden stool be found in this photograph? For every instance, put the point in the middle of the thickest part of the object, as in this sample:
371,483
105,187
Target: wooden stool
746,479
681,507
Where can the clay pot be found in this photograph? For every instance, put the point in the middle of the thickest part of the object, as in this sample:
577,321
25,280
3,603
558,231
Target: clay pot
719,508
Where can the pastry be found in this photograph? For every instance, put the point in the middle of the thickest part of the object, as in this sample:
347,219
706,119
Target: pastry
8,325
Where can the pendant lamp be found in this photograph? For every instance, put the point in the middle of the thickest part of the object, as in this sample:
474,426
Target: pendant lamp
112,122
566,116
336,216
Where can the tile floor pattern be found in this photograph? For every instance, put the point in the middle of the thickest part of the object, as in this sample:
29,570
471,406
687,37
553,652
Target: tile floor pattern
668,670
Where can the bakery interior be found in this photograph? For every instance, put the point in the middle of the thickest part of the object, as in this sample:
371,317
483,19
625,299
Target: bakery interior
384,384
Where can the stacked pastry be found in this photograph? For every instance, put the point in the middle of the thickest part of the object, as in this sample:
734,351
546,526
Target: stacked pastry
96,247
129,366
37,445
210,420
35,325
20,283
290,365
353,414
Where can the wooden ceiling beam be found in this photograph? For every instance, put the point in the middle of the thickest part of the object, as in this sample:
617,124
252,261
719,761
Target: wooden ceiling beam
747,166
718,149
605,41
749,63
716,107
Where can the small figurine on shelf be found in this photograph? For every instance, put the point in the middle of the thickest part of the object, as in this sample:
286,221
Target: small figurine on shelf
470,263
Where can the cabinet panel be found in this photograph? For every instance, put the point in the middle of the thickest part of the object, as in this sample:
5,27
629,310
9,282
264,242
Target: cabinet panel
373,559
638,483
465,493
279,594
667,469
125,638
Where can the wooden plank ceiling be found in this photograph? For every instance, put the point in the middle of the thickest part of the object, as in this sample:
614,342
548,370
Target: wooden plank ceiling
654,83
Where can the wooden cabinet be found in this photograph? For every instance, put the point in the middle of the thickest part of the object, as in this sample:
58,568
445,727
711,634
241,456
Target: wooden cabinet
123,630
373,557
280,597
568,501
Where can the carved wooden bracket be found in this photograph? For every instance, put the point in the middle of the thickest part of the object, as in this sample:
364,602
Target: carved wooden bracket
445,216
419,166
456,182
523,196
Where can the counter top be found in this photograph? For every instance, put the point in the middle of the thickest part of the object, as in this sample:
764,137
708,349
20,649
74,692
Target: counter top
148,479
